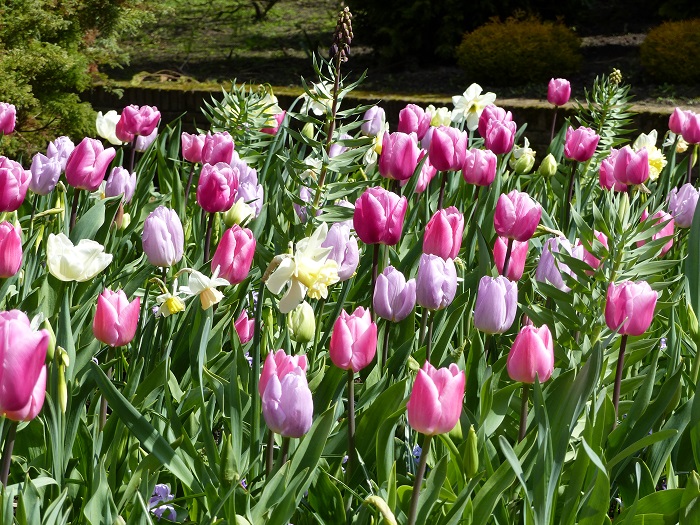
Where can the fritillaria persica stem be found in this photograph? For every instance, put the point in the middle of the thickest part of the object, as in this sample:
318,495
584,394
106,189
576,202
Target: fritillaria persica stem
506,260
351,425
523,413
7,453
420,473
618,375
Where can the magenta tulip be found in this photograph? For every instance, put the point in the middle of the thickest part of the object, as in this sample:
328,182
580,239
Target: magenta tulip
217,187
394,297
136,120
14,182
87,164
558,91
667,231
234,255
677,120
435,403
378,217
427,173
492,112
354,340
580,143
400,156
691,128
682,204
163,238
192,146
287,404
121,182
496,304
631,167
448,147
479,167
413,119
591,259
8,118
10,249
532,355
436,282
518,256
517,216
245,327
217,148
443,233
606,175
279,364
500,136
629,307
45,174
116,318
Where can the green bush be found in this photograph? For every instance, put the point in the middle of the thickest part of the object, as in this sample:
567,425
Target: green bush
671,52
519,51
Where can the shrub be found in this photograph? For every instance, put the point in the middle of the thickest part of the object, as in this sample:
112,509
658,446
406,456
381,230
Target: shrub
519,51
671,52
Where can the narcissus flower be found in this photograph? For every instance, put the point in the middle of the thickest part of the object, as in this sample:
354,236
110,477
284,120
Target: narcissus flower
470,104
205,287
78,263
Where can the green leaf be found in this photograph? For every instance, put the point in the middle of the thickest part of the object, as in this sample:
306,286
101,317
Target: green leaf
642,443
100,509
429,495
692,263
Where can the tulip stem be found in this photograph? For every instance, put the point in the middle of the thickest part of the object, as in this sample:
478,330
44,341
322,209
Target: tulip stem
423,326
618,375
506,260
351,425
255,378
419,480
429,344
133,156
554,123
103,401
375,267
74,207
7,453
270,452
189,183
207,239
385,345
285,450
523,413
690,167
570,195
442,189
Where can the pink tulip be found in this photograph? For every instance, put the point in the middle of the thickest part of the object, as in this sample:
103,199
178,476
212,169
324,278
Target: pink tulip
532,355
479,167
87,164
427,173
492,112
500,136
217,187
374,119
590,259
116,318
217,148
518,256
448,147
443,233
234,255
629,307
192,147
413,119
279,364
580,143
121,182
22,368
436,399
245,327
136,120
517,216
631,167
400,156
344,250
10,249
691,128
287,404
677,120
379,215
667,231
606,175
8,117
278,118
558,91
14,182
354,340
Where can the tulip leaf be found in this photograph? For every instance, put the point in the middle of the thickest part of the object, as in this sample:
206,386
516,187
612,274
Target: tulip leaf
100,508
89,223
429,495
692,264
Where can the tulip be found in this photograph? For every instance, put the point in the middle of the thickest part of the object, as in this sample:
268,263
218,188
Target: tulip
443,233
273,124
374,119
518,255
192,146
287,405
302,323
580,144
549,166
249,192
667,231
629,307
691,128
479,167
590,259
400,156
517,216
60,149
413,119
217,187
45,174
337,148
532,355
378,217
10,249
492,112
234,255
344,250
87,164
523,158
631,167
107,127
436,282
550,269
607,173
558,91
14,182
81,262
136,120
23,369
121,182
245,327
279,364
677,120
394,297
163,238
354,340
143,142
500,136
435,403
8,118
496,304
682,204
427,173
116,318
217,148
448,147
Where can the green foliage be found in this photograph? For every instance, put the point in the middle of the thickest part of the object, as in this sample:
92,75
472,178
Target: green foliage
519,51
671,52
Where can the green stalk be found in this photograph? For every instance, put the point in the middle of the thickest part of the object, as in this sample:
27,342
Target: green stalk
523,413
255,398
7,453
442,189
351,425
618,376
506,260
419,480
385,345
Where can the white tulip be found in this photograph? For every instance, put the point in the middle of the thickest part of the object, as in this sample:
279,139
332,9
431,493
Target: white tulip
79,263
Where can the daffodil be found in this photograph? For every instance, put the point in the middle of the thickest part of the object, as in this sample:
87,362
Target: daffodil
657,161
205,287
308,271
470,104
439,116
81,262
170,302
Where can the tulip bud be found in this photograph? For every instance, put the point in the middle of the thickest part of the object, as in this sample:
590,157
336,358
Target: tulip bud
517,216
692,322
287,404
496,304
302,323
62,387
436,282
532,355
308,130
45,174
217,187
629,307
470,458
623,209
354,340
245,327
51,348
413,119
523,159
549,166
379,216
227,466
400,156
14,182
163,237
558,91
580,144
239,213
234,254
217,148
87,164
479,167
10,250
435,403
116,318
677,120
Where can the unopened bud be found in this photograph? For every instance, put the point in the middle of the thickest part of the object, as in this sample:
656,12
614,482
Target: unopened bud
302,323
239,213
308,130
227,467
692,323
549,166
52,340
470,459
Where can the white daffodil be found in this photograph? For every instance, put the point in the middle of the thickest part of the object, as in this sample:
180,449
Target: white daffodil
372,154
439,116
468,106
657,161
682,145
319,99
205,287
107,126
307,272
170,302
78,263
